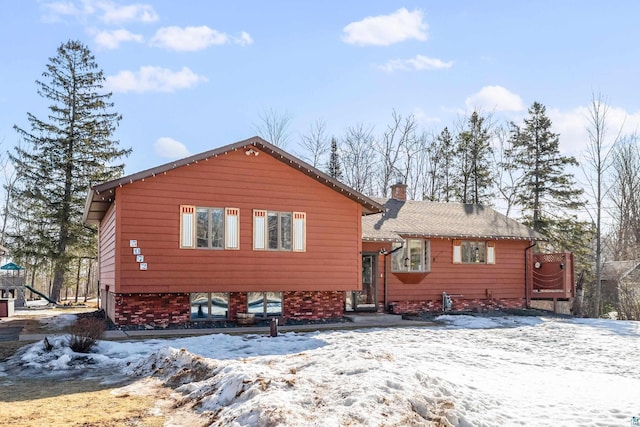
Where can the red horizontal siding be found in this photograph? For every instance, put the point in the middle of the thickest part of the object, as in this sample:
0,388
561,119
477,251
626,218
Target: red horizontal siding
504,279
149,213
107,248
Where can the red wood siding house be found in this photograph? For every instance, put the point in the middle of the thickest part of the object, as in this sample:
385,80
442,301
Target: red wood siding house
426,256
248,228
243,228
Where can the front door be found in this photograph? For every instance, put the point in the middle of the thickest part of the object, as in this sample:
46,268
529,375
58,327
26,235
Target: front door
365,300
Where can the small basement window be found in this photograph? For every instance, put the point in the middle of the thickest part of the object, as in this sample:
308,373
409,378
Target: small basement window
264,304
210,306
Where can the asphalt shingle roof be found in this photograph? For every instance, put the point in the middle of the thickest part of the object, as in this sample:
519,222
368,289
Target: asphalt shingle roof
432,219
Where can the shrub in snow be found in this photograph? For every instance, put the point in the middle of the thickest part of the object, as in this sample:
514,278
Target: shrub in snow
85,333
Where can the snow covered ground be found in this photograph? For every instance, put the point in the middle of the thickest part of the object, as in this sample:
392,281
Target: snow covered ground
472,371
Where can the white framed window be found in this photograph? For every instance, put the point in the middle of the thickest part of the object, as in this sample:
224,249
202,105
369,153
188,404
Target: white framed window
209,228
413,257
474,252
279,231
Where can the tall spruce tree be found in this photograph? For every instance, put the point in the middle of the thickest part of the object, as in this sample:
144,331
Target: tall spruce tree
435,163
474,155
72,148
548,196
446,156
333,168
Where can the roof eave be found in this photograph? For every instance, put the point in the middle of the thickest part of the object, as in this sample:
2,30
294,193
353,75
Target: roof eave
369,206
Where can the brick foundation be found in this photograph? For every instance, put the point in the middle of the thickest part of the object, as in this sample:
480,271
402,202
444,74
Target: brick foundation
165,309
313,305
400,307
140,309
237,304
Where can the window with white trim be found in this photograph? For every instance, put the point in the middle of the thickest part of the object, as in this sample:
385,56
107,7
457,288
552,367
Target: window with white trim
413,257
474,252
209,228
279,231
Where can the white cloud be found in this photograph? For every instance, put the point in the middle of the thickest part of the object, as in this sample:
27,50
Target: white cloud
153,79
195,38
495,98
422,117
419,63
244,39
62,8
114,13
107,11
572,126
112,39
57,10
384,30
170,148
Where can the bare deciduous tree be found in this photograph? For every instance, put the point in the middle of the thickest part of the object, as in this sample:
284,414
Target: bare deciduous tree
595,166
624,241
398,141
315,144
508,178
274,127
359,158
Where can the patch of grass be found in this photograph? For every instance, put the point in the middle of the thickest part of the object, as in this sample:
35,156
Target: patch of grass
8,348
56,403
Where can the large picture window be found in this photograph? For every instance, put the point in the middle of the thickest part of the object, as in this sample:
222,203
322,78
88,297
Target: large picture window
414,256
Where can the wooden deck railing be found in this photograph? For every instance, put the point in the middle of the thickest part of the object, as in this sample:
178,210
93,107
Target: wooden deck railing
552,276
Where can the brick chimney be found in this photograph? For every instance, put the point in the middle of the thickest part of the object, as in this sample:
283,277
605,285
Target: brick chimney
399,191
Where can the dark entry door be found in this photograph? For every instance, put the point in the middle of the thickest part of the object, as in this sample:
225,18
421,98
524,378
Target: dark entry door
365,300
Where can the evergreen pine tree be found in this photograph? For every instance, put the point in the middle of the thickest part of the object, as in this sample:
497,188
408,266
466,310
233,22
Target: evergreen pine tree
473,153
66,152
436,174
446,156
548,194
334,169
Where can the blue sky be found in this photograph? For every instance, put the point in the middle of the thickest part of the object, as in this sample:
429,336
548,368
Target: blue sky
190,76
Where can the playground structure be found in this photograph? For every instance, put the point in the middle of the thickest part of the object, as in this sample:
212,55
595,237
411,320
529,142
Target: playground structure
12,283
